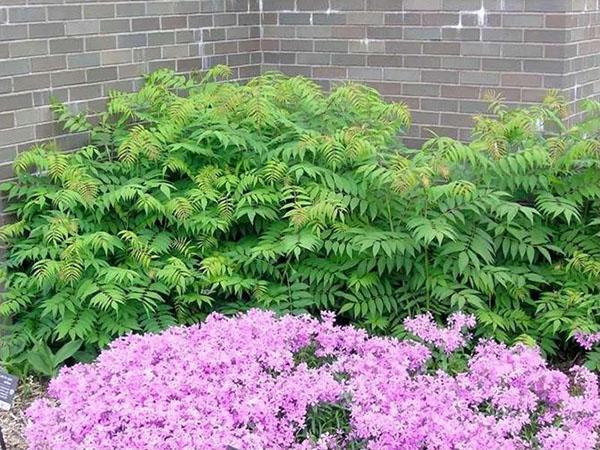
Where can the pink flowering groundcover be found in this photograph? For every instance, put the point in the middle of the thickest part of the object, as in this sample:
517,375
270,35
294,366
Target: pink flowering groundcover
257,381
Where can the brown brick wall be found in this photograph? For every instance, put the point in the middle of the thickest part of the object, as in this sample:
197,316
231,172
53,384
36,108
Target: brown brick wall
582,51
439,56
79,50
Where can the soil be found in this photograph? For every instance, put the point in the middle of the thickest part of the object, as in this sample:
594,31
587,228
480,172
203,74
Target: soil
12,422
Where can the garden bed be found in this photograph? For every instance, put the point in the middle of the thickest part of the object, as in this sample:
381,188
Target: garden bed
199,199
13,421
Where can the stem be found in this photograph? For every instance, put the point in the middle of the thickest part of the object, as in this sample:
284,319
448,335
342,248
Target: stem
389,213
427,293
287,279
427,286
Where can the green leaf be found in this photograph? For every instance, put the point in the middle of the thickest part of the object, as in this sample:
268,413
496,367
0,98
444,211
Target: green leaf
66,351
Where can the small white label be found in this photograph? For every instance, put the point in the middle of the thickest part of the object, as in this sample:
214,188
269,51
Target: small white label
8,389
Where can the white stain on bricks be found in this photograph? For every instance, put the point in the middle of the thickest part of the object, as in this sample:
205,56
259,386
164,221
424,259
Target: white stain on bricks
364,43
459,25
200,38
577,91
328,12
480,14
260,11
203,59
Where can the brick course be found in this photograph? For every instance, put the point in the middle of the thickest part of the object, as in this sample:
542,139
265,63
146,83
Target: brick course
438,56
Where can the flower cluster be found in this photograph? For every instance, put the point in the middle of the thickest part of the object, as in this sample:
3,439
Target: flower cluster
587,340
256,381
448,339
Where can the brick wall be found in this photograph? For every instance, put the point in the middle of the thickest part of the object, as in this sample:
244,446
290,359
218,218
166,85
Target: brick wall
440,56
582,50
79,50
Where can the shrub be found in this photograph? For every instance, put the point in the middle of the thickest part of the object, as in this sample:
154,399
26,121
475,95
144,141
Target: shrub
198,196
257,382
219,198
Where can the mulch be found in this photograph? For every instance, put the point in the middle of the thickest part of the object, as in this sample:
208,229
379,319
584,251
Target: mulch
13,422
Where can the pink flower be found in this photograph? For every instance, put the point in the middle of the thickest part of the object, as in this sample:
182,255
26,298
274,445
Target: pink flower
587,340
448,339
252,382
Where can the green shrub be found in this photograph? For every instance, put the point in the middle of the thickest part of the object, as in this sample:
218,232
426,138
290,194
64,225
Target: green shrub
187,203
198,196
